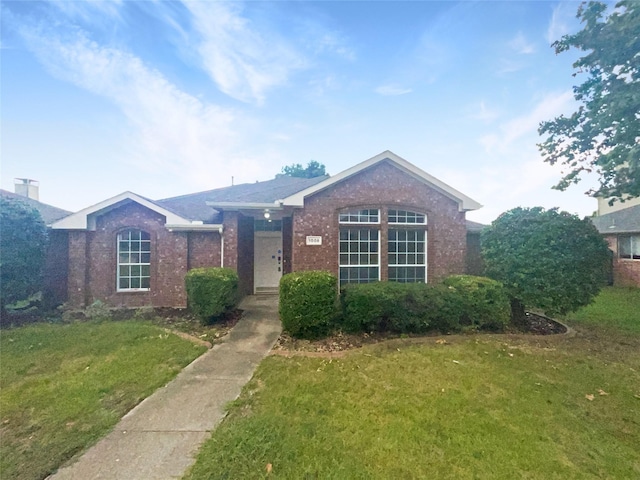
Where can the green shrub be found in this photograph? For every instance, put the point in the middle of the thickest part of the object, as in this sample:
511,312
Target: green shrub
398,307
211,292
484,302
308,303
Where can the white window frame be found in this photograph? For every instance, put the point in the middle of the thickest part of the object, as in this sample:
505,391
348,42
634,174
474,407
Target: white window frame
348,253
397,242
407,214
634,247
359,217
144,243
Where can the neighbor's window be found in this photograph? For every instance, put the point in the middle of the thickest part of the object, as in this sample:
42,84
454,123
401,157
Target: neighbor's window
407,255
359,255
629,247
134,260
370,215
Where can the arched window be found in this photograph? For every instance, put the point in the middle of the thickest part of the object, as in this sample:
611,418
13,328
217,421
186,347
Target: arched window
134,260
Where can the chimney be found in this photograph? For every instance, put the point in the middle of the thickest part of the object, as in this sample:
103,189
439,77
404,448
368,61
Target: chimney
27,188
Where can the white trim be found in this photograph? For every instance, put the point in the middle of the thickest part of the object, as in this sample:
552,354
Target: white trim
209,227
85,219
464,203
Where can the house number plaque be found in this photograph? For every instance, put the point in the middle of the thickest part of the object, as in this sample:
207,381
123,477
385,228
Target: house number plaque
314,240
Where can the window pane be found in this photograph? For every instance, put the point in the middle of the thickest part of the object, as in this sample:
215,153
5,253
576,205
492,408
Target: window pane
624,247
134,257
144,282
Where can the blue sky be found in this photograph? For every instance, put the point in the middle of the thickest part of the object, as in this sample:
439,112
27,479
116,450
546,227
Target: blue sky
168,98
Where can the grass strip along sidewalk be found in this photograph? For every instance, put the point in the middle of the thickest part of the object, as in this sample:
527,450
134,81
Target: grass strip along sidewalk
62,387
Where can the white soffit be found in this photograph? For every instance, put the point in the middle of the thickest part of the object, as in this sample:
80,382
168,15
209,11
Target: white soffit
85,219
465,203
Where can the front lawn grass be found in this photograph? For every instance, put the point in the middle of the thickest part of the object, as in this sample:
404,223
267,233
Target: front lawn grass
486,406
62,387
615,308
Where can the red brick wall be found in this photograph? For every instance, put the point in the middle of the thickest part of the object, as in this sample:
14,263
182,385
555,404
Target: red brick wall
625,272
380,186
245,254
93,262
56,269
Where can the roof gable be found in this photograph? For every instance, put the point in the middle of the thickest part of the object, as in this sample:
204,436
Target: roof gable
464,203
85,219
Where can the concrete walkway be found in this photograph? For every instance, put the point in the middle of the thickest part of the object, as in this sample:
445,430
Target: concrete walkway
159,438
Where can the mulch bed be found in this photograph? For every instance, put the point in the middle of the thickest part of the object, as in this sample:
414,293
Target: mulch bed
535,324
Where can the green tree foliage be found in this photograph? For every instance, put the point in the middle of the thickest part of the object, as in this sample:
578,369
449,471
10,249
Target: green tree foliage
23,240
546,259
603,135
313,169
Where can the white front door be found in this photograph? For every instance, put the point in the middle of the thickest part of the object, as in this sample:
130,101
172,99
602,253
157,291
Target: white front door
267,260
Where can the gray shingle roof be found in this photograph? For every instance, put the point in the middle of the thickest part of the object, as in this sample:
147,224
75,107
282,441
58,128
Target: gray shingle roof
626,220
474,227
194,207
49,213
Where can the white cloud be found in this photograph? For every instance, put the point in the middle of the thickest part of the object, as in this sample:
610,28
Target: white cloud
483,113
520,45
243,60
549,107
563,21
392,90
90,9
170,130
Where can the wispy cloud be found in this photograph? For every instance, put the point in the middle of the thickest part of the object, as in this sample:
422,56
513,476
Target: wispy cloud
481,112
243,60
563,21
509,132
91,9
521,45
392,90
170,130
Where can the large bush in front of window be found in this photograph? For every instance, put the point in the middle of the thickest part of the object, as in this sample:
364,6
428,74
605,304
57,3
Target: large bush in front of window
308,303
546,259
211,292
399,307
485,303
23,239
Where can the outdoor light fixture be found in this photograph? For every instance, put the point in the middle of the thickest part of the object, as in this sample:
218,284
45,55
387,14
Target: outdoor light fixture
266,213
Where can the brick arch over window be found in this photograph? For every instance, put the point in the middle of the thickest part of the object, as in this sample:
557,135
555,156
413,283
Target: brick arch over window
133,272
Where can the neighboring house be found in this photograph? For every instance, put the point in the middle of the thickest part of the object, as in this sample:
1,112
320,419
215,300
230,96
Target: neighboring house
48,213
383,219
621,229
474,263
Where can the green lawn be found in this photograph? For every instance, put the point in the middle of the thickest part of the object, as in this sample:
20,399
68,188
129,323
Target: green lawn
62,387
616,307
486,406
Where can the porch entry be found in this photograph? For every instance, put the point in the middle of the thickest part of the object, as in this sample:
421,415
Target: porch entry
267,261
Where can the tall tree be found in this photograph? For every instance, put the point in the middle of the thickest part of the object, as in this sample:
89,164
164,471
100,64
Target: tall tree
603,135
313,169
23,238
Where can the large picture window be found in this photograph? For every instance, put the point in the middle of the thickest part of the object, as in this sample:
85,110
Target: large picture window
629,247
359,255
407,255
134,260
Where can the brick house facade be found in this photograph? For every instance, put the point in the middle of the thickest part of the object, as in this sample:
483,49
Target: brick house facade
383,217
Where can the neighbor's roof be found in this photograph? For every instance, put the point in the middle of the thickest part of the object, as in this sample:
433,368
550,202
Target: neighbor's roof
464,203
49,213
474,227
626,220
200,206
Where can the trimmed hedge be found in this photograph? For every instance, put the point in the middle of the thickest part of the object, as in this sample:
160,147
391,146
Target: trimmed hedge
211,292
484,301
308,303
398,307
460,301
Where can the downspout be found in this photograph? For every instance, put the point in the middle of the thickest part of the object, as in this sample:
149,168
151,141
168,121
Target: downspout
220,230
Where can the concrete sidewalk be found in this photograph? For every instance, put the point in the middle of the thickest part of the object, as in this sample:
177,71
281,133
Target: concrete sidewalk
159,438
